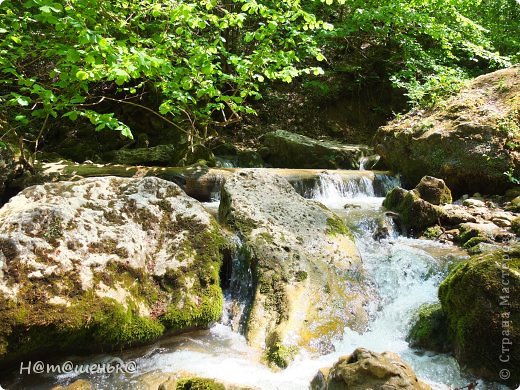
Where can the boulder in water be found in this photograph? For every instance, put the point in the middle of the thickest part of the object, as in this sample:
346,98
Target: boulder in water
105,263
430,330
470,141
480,300
415,213
364,369
283,149
308,277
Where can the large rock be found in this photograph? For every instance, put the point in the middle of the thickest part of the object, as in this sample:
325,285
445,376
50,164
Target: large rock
161,155
365,369
104,263
480,300
283,149
433,190
471,140
307,272
7,167
182,380
415,213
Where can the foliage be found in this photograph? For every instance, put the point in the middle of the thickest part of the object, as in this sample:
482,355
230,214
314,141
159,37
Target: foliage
204,60
426,47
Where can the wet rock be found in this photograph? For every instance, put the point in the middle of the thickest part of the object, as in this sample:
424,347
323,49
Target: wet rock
480,299
364,369
286,236
471,234
105,263
415,213
161,155
430,329
464,140
433,190
284,149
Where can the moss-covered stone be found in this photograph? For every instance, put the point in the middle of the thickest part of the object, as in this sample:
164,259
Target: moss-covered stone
198,384
150,265
415,213
479,298
471,140
289,150
280,355
515,226
430,330
161,155
433,190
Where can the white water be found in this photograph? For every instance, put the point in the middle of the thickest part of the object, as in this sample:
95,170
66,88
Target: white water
404,272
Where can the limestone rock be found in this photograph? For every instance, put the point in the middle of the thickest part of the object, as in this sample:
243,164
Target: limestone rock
307,271
480,299
364,369
104,263
284,149
433,190
464,140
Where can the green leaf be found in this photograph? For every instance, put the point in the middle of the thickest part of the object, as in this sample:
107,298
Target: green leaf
81,75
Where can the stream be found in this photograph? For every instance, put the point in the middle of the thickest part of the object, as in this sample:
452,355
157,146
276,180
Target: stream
405,273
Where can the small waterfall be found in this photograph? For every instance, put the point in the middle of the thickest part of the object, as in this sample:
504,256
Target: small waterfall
214,195
225,163
332,186
238,288
368,162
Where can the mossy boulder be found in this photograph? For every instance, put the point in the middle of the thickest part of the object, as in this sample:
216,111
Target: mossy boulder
182,381
308,280
364,369
105,263
480,299
415,213
430,330
433,190
471,141
161,155
283,149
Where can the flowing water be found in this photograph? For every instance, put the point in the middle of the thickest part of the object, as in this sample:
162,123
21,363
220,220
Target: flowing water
404,272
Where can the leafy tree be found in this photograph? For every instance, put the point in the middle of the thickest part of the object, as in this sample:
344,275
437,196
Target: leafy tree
426,47
205,59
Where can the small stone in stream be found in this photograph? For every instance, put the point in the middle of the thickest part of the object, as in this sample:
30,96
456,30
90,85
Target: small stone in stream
471,202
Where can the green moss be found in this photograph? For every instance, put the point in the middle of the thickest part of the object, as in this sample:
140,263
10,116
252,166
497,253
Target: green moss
336,226
433,232
430,330
473,296
280,355
473,241
515,226
202,304
198,384
54,230
300,276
